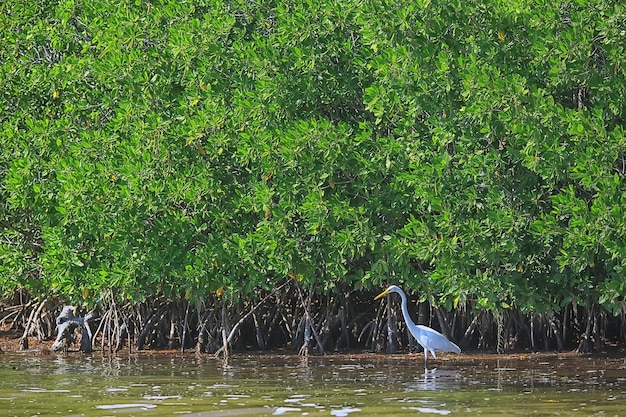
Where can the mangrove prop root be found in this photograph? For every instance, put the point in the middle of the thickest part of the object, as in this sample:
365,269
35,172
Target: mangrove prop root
304,351
291,318
34,315
228,339
149,327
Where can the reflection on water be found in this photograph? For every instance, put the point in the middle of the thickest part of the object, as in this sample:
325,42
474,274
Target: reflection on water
343,385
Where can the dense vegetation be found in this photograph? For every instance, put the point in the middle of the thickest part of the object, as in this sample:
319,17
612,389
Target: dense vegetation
173,162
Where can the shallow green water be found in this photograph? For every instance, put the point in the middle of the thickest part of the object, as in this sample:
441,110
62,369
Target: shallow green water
355,386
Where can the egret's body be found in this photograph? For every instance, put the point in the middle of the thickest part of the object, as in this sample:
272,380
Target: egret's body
430,339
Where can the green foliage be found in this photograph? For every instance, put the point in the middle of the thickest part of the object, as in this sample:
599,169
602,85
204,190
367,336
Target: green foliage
468,151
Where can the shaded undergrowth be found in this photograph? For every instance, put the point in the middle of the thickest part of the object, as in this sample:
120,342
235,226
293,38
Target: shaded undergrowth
309,322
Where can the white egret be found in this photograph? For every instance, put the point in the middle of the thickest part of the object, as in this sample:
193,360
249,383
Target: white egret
430,339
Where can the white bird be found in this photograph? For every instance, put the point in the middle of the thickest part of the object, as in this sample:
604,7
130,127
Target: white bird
430,339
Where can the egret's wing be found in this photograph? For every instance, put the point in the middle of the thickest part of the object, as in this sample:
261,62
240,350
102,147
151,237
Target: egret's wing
432,339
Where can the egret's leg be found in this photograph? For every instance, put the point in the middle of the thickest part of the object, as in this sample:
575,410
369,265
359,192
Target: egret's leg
434,356
425,358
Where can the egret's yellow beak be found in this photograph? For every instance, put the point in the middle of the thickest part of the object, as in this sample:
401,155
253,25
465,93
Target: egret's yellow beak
382,294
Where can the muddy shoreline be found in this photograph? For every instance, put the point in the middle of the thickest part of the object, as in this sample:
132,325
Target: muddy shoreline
611,355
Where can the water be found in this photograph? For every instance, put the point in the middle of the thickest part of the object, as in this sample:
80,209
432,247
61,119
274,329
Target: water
343,385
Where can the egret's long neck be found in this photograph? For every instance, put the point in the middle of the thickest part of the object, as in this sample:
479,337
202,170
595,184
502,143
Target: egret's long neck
405,308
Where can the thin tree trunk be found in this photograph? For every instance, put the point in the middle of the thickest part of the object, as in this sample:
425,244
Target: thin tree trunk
585,343
555,330
184,332
259,333
392,329
566,324
445,329
466,339
532,331
224,348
